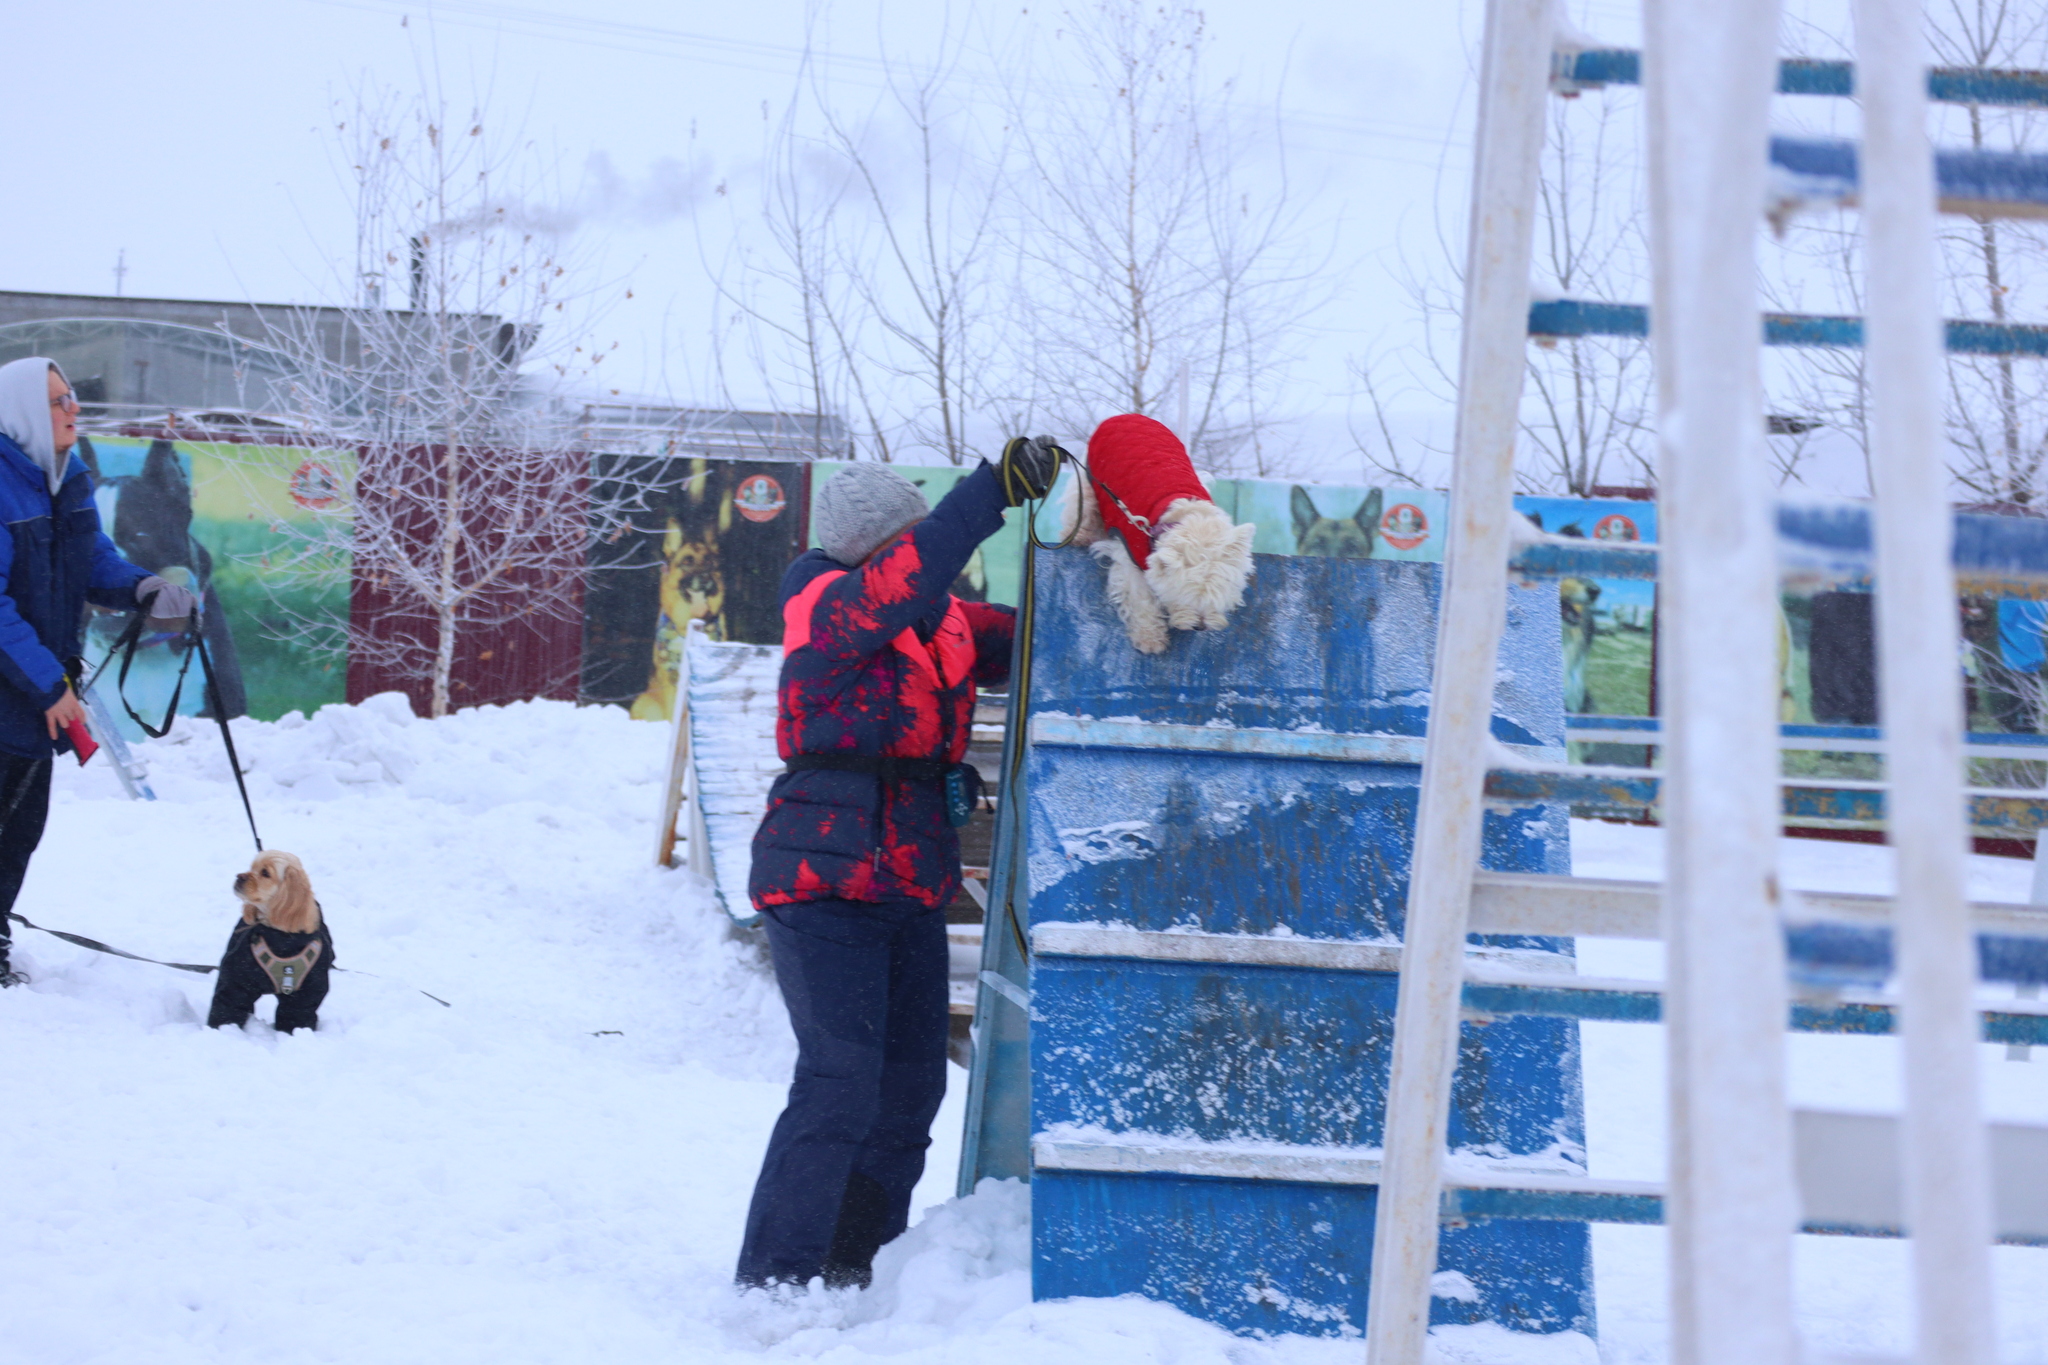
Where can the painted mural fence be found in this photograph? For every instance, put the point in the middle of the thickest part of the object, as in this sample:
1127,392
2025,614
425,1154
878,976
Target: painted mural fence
221,519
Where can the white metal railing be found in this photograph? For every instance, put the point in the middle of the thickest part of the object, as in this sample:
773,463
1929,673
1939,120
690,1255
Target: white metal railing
1708,73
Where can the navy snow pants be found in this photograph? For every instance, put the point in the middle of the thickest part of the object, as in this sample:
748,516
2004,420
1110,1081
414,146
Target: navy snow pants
866,989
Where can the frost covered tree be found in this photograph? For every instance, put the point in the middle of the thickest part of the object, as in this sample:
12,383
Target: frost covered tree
788,314
1993,269
1587,409
1998,408
456,498
1154,273
947,268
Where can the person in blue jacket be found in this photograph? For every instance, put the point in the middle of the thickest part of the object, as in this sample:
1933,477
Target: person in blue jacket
53,561
859,850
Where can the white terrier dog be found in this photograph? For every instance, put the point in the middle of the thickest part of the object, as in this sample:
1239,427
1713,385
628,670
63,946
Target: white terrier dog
1175,560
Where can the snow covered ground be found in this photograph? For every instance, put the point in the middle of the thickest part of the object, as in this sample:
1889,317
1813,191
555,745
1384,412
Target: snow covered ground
554,1167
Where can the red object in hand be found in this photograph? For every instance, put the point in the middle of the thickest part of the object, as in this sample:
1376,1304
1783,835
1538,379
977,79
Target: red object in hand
82,742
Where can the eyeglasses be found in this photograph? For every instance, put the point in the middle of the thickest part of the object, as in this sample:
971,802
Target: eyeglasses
66,399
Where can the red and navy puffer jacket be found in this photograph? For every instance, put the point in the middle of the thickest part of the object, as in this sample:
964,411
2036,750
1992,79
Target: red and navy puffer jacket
881,661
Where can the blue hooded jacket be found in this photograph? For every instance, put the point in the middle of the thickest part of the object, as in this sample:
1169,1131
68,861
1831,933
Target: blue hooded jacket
55,559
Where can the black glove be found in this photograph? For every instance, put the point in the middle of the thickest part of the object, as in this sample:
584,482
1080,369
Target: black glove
165,600
1028,468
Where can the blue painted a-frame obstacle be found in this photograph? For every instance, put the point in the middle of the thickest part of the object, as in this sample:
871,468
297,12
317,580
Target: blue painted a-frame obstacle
1199,901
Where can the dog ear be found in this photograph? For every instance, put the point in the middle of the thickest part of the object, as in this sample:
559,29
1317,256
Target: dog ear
1304,509
1368,514
294,909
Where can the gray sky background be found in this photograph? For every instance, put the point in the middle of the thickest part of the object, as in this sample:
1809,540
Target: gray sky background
199,141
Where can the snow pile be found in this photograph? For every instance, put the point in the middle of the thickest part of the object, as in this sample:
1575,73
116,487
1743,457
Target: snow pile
555,1166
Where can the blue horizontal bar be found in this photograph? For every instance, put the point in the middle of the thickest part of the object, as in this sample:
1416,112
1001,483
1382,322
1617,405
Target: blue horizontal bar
1653,725
1647,1007
1968,181
1805,76
1583,317
2015,817
1836,955
1587,318
1464,1203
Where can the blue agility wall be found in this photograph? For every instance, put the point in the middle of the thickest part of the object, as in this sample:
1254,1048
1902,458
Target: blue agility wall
1238,804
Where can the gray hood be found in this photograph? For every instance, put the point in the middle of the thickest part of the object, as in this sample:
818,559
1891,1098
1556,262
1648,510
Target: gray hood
25,413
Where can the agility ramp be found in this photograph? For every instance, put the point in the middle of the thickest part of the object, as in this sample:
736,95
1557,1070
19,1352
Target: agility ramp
1200,896
721,763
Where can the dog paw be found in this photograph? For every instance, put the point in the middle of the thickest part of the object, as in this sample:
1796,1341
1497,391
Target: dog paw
1148,636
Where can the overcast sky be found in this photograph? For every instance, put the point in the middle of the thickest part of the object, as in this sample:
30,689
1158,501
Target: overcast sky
198,140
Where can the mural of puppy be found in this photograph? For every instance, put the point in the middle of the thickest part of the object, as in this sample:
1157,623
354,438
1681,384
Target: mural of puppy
1175,559
281,947
1334,537
1575,599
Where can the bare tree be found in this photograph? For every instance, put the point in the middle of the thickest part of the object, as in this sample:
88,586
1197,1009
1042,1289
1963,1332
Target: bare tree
922,272
785,303
454,492
1154,276
1587,416
1998,411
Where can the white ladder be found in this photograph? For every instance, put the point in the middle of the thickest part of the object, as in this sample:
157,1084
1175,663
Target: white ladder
1709,71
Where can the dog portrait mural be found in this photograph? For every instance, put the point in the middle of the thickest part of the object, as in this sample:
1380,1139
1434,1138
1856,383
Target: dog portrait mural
1339,521
215,517
702,540
1608,624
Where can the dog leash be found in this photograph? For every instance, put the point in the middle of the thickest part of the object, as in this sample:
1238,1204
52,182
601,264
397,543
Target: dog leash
126,644
99,947
202,969
1020,667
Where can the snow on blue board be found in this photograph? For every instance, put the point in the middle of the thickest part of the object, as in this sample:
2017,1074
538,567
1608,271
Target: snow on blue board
1178,1109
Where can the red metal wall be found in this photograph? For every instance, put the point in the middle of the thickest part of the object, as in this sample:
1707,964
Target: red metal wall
508,651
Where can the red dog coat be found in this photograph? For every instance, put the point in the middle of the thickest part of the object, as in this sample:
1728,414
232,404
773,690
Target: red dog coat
1139,469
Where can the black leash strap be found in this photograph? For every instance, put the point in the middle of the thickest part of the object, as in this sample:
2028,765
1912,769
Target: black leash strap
126,644
227,736
99,947
82,941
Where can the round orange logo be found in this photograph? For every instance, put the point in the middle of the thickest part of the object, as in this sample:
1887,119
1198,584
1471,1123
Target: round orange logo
314,485
1615,526
1404,527
759,498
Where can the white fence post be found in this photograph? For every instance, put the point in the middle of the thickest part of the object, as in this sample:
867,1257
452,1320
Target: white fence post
1709,74
1945,1154
1514,87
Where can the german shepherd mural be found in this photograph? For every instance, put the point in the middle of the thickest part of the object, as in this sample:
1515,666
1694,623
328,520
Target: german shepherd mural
1334,537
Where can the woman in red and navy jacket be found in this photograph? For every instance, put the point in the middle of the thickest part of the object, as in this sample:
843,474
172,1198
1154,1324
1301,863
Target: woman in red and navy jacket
859,852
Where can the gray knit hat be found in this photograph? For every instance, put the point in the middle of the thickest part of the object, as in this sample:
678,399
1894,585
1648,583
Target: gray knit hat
860,507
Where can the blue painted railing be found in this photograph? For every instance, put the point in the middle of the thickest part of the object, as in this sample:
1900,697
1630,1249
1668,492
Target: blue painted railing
1825,170
1584,317
1581,727
1805,76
